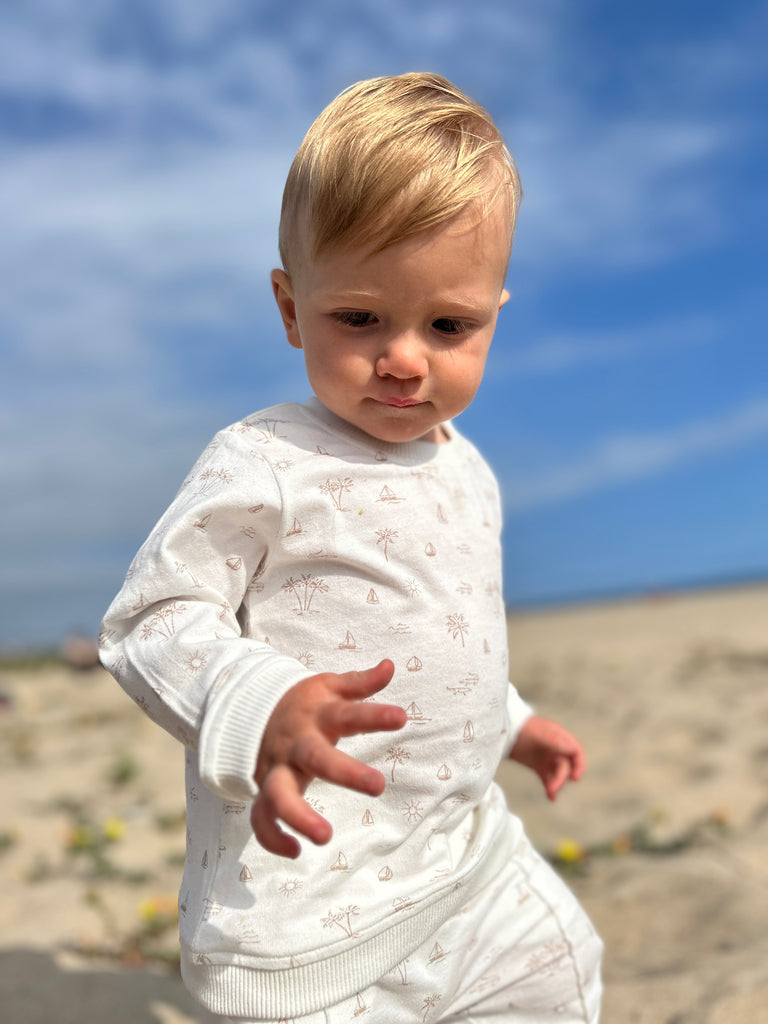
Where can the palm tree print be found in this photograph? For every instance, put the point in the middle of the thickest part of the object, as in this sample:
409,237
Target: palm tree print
397,755
210,477
386,537
266,429
457,626
163,622
342,918
304,589
335,490
429,1003
181,568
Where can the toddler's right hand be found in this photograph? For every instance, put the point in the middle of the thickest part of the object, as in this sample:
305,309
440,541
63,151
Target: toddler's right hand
299,744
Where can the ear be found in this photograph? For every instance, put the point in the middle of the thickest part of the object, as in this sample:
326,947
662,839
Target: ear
504,298
283,292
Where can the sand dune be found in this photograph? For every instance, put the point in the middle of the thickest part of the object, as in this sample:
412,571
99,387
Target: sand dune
665,839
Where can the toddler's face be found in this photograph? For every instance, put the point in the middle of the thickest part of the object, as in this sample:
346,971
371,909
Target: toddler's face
395,342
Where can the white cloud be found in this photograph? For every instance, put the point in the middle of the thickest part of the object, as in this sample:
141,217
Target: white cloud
568,350
616,195
625,458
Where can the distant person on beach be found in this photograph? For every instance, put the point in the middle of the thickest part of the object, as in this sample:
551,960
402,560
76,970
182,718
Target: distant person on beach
321,556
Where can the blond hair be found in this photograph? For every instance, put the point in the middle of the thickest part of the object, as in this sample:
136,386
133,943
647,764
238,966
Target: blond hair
390,158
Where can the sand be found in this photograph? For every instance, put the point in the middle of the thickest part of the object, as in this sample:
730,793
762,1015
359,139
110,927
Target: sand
665,839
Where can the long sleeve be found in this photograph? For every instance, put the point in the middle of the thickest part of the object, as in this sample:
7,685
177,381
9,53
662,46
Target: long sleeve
173,637
518,713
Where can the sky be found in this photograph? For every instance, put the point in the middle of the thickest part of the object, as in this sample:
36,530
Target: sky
143,150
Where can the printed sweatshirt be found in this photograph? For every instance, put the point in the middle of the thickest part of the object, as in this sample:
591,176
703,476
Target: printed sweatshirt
298,544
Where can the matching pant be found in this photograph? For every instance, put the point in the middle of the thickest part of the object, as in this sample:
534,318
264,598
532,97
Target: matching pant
521,952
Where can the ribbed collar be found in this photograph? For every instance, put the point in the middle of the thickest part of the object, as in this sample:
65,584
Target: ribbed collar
408,451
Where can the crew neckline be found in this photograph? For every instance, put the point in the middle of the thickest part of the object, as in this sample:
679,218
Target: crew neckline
423,450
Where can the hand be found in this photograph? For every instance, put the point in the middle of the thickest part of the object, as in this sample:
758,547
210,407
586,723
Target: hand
299,744
551,752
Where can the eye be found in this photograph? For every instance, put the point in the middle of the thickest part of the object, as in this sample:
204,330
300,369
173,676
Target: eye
355,318
446,325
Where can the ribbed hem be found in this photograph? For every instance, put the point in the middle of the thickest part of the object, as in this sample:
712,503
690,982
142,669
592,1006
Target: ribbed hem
229,986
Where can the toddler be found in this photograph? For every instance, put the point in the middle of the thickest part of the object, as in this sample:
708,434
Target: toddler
318,618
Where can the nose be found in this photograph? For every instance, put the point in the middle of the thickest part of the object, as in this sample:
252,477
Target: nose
403,357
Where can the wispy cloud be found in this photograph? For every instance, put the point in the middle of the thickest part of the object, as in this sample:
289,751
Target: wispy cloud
617,194
565,351
625,458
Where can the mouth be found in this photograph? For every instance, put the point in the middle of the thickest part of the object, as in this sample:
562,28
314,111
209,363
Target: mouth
400,403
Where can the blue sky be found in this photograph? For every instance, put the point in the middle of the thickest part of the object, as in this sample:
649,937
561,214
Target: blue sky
143,152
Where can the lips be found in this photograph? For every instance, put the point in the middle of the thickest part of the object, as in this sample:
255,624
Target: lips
400,403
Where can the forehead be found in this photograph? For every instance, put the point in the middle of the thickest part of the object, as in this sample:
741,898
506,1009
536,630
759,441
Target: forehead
480,237
459,264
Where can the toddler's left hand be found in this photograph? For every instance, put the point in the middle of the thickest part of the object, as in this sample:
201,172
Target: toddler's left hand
551,752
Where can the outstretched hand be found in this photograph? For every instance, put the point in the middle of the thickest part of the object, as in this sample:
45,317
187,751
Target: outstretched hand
551,751
299,744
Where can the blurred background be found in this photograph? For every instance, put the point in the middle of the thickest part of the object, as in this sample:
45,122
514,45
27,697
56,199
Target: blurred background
144,149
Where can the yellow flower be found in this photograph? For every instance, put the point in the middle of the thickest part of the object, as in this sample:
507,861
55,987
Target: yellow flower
155,908
568,851
113,829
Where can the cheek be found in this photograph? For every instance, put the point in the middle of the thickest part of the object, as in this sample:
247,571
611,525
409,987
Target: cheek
335,364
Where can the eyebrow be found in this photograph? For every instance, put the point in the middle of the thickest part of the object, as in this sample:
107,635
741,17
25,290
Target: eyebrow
449,307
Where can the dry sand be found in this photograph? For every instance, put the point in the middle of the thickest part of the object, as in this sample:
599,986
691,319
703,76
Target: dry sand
668,695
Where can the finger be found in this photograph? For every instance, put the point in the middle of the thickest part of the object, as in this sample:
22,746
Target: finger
359,685
557,777
317,758
578,764
269,834
281,797
349,718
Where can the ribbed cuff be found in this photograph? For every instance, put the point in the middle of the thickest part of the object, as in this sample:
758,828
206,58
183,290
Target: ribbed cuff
235,720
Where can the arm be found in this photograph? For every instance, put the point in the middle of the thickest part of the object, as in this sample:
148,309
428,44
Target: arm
551,751
172,637
173,640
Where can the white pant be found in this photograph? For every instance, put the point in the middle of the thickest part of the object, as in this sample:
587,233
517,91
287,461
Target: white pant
521,952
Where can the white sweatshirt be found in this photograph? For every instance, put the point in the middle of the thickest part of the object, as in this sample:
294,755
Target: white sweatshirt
298,544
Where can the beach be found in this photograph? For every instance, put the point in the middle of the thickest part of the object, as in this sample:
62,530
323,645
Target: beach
665,839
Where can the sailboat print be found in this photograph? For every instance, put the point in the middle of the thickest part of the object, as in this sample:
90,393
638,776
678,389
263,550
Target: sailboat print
245,874
415,714
296,528
444,773
341,863
361,1007
385,874
469,732
437,954
348,643
367,819
386,494
414,664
